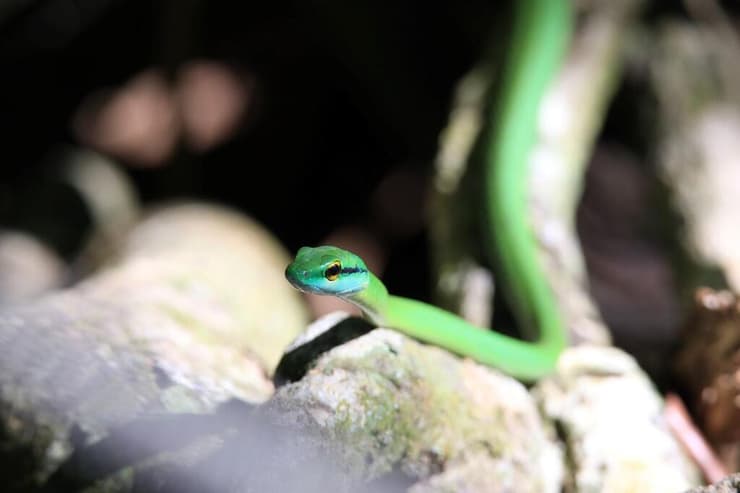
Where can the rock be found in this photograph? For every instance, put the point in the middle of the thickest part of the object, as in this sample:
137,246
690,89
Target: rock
731,484
28,268
393,403
610,417
192,314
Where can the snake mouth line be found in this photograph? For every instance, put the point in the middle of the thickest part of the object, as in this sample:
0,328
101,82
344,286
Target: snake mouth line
294,278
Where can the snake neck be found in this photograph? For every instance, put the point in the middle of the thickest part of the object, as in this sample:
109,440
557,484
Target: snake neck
372,300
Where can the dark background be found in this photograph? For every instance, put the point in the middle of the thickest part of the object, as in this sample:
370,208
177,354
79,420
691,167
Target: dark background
343,95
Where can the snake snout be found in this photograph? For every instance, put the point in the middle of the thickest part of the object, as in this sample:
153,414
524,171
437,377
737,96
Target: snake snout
297,277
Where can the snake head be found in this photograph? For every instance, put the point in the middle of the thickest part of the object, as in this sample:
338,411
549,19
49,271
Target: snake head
327,270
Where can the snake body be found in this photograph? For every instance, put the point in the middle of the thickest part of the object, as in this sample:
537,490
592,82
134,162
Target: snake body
539,36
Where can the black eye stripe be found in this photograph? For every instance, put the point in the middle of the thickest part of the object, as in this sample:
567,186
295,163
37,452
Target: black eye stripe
332,272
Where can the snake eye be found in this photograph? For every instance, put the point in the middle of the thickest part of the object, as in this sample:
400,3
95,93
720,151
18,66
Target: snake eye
332,272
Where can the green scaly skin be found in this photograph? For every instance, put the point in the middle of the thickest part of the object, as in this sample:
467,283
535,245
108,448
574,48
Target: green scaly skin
540,33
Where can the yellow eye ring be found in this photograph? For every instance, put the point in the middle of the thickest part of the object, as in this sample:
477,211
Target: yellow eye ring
332,272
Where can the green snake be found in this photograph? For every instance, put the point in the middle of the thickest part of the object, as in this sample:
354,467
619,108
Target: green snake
539,37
